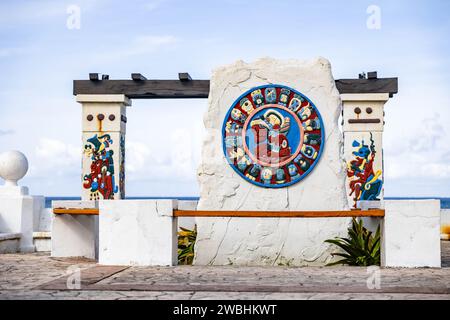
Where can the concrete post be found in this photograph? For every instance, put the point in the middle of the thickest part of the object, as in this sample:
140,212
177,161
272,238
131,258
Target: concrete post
363,123
18,209
410,234
138,232
103,160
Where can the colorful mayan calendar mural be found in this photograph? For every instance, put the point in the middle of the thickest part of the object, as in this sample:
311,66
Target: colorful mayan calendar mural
100,180
273,136
365,182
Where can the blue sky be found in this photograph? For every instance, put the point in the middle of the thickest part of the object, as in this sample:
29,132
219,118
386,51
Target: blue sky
40,56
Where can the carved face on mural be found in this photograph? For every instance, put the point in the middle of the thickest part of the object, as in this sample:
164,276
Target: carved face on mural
273,136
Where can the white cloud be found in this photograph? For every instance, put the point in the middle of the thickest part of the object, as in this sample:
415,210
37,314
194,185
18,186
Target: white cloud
139,45
153,4
422,153
137,154
6,132
7,52
55,157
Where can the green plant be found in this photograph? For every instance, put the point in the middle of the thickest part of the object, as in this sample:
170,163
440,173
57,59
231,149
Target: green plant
186,243
362,248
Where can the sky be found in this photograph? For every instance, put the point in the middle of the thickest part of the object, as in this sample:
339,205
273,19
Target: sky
45,45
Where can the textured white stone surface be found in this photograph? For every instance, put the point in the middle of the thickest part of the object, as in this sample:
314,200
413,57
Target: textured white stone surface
17,213
44,223
107,105
74,204
13,167
74,236
375,101
42,241
411,234
187,222
260,240
137,232
9,242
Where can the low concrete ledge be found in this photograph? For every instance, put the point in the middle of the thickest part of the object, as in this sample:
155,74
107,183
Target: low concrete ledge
411,234
138,232
74,235
9,242
42,241
74,204
9,236
42,235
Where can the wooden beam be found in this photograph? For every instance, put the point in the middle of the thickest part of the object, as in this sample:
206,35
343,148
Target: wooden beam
280,214
177,89
146,89
382,85
76,211
247,214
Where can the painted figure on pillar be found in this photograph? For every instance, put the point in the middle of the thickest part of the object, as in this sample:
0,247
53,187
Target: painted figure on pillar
100,180
273,136
122,167
365,183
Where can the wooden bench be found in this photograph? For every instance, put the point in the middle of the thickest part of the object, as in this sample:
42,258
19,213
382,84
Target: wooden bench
246,214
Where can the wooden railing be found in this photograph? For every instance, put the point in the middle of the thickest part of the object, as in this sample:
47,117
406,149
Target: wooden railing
247,214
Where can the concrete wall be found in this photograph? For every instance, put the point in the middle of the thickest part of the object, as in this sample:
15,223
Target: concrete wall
258,241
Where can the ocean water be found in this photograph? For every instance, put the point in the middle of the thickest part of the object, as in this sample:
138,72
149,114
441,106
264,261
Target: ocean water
445,202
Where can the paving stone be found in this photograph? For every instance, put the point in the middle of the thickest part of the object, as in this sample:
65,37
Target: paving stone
22,276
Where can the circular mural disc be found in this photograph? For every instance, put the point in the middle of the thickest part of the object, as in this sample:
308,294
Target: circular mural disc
273,136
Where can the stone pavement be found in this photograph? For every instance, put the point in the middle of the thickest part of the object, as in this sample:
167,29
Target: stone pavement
37,276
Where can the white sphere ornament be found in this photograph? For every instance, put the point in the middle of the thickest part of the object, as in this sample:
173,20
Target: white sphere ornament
13,167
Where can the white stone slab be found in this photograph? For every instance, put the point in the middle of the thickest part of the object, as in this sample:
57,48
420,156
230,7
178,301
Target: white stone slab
14,190
103,98
9,236
187,204
9,242
45,220
259,240
138,232
17,216
42,241
74,204
410,234
74,236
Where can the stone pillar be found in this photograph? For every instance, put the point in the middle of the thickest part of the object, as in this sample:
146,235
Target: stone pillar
103,157
271,241
18,210
363,123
